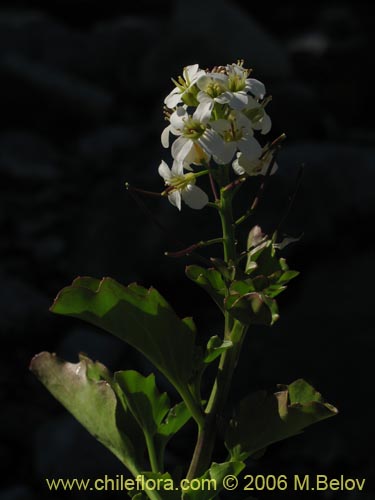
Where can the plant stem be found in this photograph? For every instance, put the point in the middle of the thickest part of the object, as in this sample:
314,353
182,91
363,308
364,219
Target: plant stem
234,331
154,462
191,404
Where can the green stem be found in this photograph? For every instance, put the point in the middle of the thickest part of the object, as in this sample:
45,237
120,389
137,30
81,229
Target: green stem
154,462
234,331
192,405
136,471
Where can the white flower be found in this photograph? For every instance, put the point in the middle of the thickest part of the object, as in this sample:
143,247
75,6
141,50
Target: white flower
182,186
184,85
237,134
254,166
212,88
196,142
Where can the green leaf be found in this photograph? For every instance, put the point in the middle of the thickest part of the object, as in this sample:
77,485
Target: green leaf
81,388
176,418
215,347
210,280
143,399
252,308
262,419
140,317
216,473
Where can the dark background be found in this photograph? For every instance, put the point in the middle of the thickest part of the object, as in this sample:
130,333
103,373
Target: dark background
82,86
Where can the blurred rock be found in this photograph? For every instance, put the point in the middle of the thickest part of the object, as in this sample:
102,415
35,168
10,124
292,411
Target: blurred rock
29,157
22,306
116,48
297,110
54,87
63,448
99,346
212,33
335,197
102,147
16,492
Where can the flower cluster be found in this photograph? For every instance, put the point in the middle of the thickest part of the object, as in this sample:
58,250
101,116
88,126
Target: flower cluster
212,118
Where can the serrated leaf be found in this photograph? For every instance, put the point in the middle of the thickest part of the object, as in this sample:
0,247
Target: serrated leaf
210,280
91,400
215,347
143,399
139,316
216,473
262,419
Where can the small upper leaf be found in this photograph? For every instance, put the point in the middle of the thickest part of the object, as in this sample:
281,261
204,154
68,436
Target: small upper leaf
262,419
215,347
210,280
138,316
176,418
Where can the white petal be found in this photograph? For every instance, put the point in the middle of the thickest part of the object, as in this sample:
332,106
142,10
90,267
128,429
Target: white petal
194,197
177,119
252,103
221,125
181,148
165,137
196,156
256,87
207,79
244,123
193,73
175,198
250,147
164,171
173,98
237,168
177,168
203,97
224,98
238,100
243,164
189,71
204,111
213,144
266,124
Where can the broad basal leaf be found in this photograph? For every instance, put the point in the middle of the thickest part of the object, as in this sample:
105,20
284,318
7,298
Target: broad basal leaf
216,473
262,419
85,392
138,316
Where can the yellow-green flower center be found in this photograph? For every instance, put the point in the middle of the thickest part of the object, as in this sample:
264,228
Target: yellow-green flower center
214,89
180,182
193,129
237,82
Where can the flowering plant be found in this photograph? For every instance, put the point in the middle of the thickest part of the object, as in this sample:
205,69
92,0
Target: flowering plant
214,116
